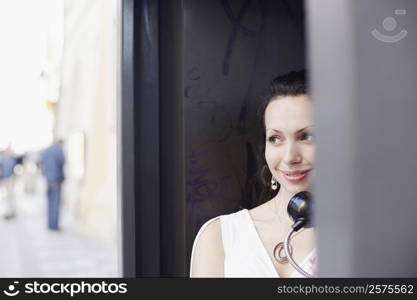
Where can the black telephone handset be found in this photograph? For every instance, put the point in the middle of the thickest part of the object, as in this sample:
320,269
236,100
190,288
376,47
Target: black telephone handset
299,209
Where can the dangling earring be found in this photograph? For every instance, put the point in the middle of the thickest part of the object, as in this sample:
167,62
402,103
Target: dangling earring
274,183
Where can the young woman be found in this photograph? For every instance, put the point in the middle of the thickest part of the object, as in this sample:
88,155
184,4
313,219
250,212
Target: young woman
242,244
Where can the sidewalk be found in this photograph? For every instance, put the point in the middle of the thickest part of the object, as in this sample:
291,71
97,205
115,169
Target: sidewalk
29,249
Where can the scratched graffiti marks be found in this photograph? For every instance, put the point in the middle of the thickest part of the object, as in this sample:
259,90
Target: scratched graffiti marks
212,120
215,122
237,26
220,124
202,183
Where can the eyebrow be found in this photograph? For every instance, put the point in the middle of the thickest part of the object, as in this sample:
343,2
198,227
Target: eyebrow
295,132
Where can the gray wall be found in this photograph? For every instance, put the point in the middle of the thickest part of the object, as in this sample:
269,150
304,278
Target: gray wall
365,98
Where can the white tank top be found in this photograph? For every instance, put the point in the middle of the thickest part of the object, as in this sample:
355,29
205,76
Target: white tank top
245,254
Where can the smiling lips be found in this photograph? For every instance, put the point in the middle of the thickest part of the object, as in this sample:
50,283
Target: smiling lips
295,176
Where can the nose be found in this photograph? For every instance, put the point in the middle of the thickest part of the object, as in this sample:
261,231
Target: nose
292,154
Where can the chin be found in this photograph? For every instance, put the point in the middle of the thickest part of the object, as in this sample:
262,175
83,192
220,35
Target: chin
294,189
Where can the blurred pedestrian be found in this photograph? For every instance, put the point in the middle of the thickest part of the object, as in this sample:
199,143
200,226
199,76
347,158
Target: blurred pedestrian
7,180
31,164
52,164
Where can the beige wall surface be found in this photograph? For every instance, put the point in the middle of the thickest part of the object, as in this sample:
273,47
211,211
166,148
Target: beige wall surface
87,108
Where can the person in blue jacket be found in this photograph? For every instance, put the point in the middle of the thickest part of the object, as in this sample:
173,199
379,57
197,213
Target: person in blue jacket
52,164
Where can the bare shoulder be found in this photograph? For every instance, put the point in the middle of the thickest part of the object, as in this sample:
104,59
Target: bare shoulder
207,259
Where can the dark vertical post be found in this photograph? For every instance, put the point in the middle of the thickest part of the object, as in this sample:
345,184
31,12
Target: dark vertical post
147,137
140,154
173,250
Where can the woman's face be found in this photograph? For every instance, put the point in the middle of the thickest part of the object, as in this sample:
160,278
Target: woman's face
289,145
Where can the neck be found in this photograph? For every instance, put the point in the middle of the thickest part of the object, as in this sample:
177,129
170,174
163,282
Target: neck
279,206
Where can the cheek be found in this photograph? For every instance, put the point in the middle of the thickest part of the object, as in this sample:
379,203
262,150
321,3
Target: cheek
272,156
309,154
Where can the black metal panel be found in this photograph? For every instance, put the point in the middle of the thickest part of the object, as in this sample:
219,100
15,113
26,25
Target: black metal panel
192,76
173,251
140,139
147,137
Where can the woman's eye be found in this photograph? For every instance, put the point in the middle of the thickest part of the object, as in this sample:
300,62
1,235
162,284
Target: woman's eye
307,137
275,139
